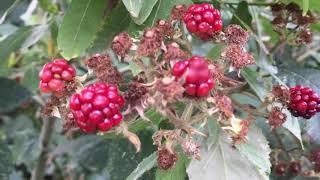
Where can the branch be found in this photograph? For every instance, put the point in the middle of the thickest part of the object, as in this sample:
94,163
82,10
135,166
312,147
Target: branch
45,137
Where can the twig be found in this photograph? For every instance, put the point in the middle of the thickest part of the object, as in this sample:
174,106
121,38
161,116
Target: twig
308,53
45,137
249,4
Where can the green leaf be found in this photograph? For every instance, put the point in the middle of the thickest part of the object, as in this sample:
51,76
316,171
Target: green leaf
223,162
145,165
252,78
13,43
47,5
118,156
135,69
13,94
178,172
213,129
133,6
6,165
141,124
256,149
305,7
215,52
79,26
147,7
31,79
162,10
292,125
6,7
117,21
242,15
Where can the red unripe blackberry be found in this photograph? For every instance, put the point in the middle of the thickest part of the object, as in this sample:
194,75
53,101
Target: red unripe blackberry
203,20
304,102
295,168
198,80
281,169
54,75
97,106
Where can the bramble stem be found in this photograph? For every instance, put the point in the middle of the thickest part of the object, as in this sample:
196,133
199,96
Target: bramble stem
249,4
45,137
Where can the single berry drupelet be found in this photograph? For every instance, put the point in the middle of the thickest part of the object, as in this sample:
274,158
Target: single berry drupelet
203,20
54,75
199,81
304,102
97,106
281,169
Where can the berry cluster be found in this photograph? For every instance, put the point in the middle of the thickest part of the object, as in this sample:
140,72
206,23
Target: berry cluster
54,75
203,20
199,79
304,102
97,107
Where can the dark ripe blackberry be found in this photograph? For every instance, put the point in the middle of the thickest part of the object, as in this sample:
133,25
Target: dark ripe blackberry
304,102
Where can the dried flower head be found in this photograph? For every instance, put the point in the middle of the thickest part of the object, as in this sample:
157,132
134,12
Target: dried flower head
150,43
279,22
281,93
121,44
174,52
51,103
191,148
224,104
166,160
178,12
293,7
235,34
216,71
104,70
243,130
305,20
169,89
165,28
237,56
276,117
304,36
69,121
277,7
134,92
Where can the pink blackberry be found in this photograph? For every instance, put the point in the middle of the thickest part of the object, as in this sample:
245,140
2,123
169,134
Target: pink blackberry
304,102
199,79
97,106
54,75
203,20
